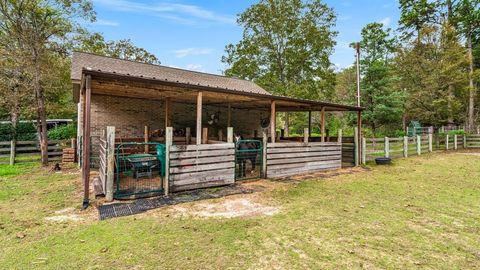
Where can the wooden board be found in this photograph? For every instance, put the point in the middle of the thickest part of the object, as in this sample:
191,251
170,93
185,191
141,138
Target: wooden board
201,166
287,159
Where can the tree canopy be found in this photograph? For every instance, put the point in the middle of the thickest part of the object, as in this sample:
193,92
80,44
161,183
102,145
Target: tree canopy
285,48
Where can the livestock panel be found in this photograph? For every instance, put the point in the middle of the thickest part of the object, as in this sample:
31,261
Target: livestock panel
201,166
287,159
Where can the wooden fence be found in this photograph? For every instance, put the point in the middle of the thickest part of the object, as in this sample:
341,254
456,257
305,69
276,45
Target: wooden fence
417,145
12,152
286,159
201,166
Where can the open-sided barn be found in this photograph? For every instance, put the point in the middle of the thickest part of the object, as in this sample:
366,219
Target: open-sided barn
175,128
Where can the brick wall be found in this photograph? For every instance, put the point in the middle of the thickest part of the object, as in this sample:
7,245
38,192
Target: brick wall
131,115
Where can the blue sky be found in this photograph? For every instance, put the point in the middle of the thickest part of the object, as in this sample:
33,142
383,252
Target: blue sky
193,34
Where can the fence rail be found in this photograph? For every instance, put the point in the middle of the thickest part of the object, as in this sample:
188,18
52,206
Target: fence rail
416,145
12,152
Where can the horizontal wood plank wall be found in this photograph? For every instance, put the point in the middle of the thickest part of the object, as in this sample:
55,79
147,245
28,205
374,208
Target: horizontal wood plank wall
201,166
286,159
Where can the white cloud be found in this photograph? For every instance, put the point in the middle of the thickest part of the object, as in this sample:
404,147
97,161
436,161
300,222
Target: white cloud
191,51
195,67
181,13
386,21
106,22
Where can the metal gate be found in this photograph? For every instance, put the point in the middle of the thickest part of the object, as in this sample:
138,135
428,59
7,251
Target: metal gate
140,169
248,159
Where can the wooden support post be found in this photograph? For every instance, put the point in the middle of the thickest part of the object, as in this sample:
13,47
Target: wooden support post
286,127
322,120
387,147
199,118
305,135
110,163
229,115
146,137
205,136
364,150
188,135
230,134
359,131
455,142
430,142
309,123
220,135
464,140
356,142
168,144
405,146
86,141
419,145
447,146
12,152
339,136
273,120
168,112
264,153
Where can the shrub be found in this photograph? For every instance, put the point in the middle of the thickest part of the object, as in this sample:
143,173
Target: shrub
63,132
25,132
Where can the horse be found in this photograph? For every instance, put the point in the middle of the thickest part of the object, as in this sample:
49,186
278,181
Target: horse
248,154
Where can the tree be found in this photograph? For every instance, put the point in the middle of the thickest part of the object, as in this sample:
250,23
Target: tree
468,19
431,71
285,48
41,28
382,101
415,15
124,48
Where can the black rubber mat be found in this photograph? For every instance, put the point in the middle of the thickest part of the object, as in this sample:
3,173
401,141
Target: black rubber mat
141,205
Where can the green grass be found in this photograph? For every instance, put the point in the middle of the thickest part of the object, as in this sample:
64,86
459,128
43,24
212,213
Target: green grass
422,212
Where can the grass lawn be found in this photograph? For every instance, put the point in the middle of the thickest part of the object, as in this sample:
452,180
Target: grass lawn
422,212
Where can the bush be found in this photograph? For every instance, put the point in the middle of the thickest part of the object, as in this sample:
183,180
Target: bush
63,132
25,132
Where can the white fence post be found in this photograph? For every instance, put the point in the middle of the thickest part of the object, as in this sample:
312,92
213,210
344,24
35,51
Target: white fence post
446,142
387,147
419,145
364,150
430,143
12,152
110,163
168,144
455,142
464,140
305,135
405,146
339,136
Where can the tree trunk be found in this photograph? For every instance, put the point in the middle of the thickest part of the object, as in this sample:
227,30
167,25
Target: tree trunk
471,89
449,105
15,111
41,112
